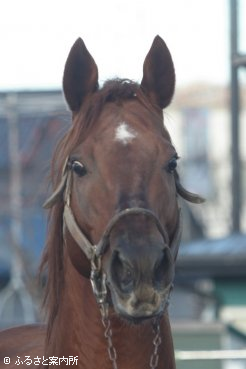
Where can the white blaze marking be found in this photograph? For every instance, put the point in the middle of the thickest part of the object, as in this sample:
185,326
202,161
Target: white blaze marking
124,133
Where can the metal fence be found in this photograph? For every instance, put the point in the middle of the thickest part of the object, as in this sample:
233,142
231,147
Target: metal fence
212,359
211,355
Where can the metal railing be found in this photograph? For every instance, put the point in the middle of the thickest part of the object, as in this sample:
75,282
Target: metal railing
211,355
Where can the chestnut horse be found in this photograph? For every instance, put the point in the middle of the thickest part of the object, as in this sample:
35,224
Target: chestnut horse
114,229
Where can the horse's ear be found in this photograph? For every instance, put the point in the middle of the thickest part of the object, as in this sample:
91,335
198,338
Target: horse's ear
158,74
80,75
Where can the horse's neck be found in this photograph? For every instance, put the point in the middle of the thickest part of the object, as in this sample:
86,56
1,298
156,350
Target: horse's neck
78,332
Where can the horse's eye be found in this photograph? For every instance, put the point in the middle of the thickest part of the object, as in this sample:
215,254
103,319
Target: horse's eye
79,168
172,164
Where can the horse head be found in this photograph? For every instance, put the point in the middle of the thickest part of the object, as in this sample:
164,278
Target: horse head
119,181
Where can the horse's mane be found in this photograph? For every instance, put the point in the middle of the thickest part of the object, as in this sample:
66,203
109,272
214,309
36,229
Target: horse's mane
117,91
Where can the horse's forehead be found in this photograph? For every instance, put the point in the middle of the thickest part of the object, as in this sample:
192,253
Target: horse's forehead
125,123
124,133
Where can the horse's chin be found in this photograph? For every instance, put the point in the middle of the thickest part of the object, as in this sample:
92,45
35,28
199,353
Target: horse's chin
138,320
143,314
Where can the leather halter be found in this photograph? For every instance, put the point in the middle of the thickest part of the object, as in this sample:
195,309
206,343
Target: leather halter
96,251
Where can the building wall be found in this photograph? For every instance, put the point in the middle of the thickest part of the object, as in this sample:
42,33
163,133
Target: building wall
209,175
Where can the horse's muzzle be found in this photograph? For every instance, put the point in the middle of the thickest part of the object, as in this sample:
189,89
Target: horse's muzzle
140,269
137,309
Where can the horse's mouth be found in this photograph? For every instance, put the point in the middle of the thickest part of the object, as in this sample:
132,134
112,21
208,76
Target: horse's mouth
139,320
144,312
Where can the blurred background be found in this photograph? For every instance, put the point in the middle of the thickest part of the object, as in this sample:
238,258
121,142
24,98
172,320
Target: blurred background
206,120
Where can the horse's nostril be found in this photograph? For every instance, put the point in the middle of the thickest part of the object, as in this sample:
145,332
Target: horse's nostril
122,273
127,278
161,274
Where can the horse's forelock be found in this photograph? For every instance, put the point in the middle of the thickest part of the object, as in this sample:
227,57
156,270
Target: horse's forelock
113,91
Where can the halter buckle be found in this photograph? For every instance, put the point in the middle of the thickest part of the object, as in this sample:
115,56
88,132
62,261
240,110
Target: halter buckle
98,280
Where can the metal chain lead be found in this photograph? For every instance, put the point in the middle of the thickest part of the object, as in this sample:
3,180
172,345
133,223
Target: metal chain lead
154,359
108,334
156,343
98,281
